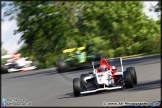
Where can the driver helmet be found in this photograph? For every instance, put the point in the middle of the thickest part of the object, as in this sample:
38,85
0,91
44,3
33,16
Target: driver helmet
16,56
103,67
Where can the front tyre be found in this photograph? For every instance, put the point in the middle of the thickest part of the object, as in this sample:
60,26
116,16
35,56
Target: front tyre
133,74
76,86
4,70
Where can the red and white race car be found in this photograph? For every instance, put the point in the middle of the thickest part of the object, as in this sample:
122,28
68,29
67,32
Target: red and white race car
106,77
17,63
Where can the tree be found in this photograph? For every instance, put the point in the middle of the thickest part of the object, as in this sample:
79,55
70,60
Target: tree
121,26
112,28
157,9
3,52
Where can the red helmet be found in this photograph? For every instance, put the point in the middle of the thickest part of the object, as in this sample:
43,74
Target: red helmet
103,67
104,64
15,53
15,56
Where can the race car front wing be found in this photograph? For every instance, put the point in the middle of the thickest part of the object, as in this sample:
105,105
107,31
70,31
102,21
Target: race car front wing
102,89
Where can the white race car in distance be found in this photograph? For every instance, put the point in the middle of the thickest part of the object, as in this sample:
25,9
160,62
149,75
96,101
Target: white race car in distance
17,63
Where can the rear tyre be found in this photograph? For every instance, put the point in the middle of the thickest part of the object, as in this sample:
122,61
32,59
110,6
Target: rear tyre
133,74
76,86
61,65
128,79
97,57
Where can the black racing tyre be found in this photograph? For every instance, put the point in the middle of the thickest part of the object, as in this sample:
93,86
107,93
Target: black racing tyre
82,76
133,74
128,79
4,70
61,65
97,57
76,86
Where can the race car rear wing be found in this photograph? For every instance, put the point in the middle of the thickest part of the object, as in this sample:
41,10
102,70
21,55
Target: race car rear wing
73,49
6,56
115,61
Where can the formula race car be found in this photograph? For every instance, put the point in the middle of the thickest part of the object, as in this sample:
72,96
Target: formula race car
106,77
76,58
17,63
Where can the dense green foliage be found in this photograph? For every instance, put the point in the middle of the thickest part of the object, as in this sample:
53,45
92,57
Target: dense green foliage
113,28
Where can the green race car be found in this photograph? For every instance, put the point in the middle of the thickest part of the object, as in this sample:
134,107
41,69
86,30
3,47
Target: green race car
76,58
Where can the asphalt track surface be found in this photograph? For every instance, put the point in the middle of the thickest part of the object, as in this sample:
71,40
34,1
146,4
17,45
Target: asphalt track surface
49,88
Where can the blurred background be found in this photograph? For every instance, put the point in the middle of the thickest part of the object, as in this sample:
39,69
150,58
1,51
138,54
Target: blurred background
42,29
